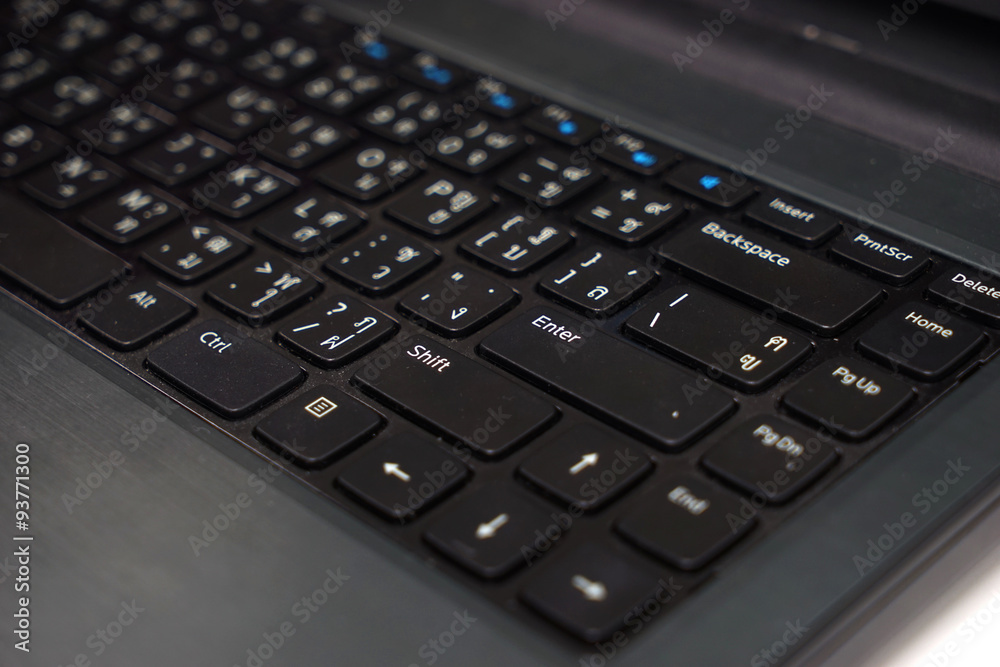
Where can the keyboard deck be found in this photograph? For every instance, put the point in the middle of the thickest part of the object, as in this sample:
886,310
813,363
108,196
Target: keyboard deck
572,366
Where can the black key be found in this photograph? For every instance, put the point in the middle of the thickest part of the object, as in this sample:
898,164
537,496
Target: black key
71,181
404,116
608,378
137,315
368,172
587,467
381,261
477,145
187,83
806,291
123,128
283,61
180,157
27,145
440,205
427,70
970,292
127,59
318,426
922,341
308,223
549,178
337,331
456,397
223,40
240,112
167,18
514,244
711,184
597,281
262,290
343,89
771,458
851,398
594,591
630,213
686,521
500,99
879,256
797,220
563,125
241,191
130,216
305,141
636,154
404,477
23,68
76,33
721,339
489,531
64,101
462,302
374,51
224,371
195,250
48,258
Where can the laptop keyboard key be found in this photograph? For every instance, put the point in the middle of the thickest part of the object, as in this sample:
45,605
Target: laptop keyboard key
239,112
921,341
513,244
179,158
456,397
630,213
636,154
404,477
462,302
405,115
770,457
477,145
806,291
440,205
47,257
686,521
587,467
64,101
500,99
71,181
594,590
563,125
429,71
608,378
489,531
368,172
132,215
261,291
228,373
194,251
243,191
187,83
970,292
549,178
879,256
337,331
305,141
308,223
381,261
796,220
721,339
280,63
849,397
597,282
27,145
137,315
710,184
318,426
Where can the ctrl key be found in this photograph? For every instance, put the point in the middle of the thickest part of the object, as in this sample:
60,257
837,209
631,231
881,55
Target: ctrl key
223,370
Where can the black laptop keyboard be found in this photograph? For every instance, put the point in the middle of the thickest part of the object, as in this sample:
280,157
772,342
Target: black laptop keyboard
572,366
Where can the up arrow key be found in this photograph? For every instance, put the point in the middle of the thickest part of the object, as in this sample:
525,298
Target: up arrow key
585,462
394,470
487,530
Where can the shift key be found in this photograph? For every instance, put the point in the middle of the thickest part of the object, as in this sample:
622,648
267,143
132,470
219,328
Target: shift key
455,397
608,378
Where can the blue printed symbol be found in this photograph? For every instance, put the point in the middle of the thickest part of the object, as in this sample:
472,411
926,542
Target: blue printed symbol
437,74
709,182
644,159
377,50
568,127
502,100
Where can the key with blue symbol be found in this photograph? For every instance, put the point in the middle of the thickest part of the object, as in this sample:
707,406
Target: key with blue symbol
563,125
636,154
430,72
499,99
711,184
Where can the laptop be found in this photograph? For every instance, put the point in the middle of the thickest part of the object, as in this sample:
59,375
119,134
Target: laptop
497,332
